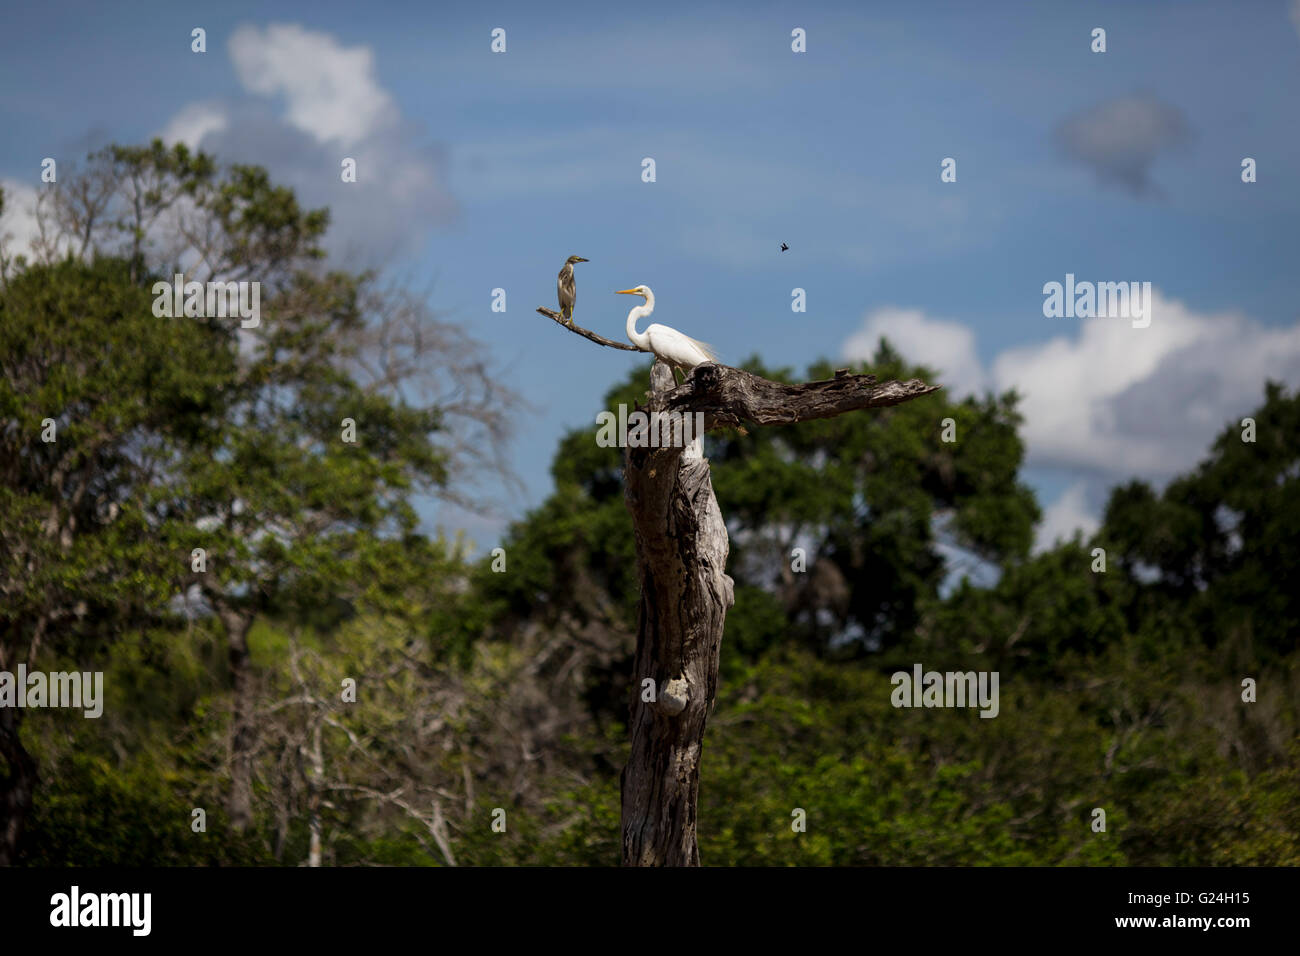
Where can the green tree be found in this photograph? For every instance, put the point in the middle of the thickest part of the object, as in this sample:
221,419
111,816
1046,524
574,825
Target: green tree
234,436
1223,542
84,364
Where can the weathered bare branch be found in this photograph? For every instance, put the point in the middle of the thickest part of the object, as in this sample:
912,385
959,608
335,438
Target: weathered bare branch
598,339
731,396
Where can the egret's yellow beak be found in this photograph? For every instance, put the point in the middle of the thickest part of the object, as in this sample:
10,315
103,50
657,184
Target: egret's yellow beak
627,292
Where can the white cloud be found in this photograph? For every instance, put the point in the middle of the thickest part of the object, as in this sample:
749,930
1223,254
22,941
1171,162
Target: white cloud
1109,398
18,226
947,347
310,97
1070,512
1121,401
1106,402
194,122
330,91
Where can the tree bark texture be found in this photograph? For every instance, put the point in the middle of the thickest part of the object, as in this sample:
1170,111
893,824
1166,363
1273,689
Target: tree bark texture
681,547
681,552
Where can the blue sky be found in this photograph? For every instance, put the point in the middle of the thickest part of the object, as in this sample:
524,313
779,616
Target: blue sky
480,170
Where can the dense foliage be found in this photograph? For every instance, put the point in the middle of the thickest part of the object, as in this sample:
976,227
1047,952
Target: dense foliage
860,546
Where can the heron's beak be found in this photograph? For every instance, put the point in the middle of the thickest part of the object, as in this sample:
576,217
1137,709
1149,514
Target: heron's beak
627,292
580,259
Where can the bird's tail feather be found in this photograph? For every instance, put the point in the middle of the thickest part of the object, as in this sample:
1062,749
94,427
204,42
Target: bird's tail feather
707,349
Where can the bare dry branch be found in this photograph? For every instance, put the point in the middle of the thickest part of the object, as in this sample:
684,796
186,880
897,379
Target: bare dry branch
729,396
586,334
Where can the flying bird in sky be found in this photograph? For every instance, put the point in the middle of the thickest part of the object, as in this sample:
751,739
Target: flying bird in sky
675,348
784,247
567,289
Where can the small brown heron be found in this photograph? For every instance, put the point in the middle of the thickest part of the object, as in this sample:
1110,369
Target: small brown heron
566,289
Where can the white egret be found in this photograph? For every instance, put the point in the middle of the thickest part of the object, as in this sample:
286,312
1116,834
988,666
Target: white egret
667,343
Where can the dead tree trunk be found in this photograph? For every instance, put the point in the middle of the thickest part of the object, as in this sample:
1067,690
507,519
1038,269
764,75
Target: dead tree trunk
681,550
681,555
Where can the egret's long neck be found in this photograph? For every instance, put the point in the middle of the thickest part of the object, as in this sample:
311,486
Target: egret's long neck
639,312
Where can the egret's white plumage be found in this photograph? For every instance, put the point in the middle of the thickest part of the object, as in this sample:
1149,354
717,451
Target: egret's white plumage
675,348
